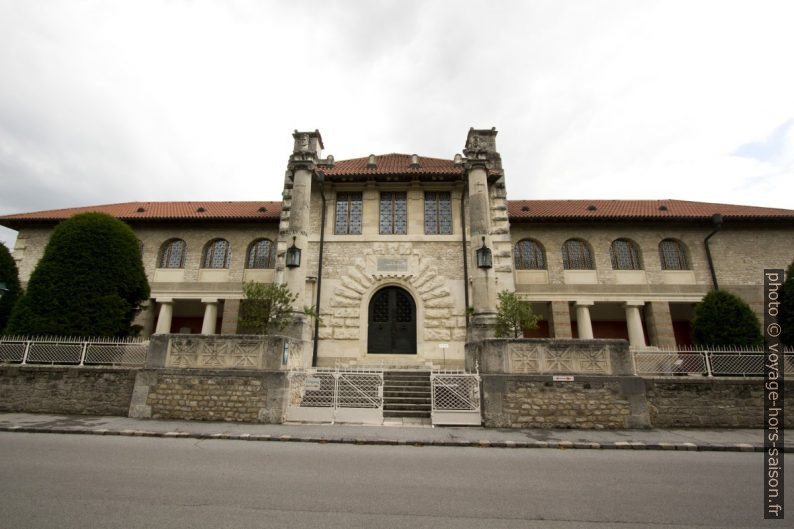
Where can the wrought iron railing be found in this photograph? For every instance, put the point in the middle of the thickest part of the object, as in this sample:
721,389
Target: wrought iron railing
335,395
81,351
455,397
711,362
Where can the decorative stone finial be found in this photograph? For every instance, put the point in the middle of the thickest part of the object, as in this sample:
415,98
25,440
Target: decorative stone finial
414,161
371,162
306,150
481,149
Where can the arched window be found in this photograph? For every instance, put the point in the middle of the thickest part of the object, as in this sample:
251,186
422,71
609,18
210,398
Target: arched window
625,255
529,255
261,254
172,254
673,255
216,254
576,255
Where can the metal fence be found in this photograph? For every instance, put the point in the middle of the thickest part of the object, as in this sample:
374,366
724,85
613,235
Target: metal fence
52,350
723,362
335,395
455,398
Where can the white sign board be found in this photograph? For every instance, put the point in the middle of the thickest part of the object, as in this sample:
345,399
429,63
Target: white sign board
312,384
443,346
562,378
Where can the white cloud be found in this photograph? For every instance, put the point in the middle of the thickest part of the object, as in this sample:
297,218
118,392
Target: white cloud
112,101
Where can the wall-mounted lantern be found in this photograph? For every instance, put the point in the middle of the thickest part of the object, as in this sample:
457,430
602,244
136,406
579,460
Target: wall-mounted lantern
484,259
293,255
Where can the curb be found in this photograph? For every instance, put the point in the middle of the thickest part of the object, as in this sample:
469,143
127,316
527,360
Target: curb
560,445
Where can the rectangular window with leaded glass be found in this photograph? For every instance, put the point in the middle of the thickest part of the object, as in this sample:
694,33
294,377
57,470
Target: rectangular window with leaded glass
348,214
438,212
393,213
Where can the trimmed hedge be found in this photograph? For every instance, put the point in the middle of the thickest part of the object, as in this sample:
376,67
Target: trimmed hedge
786,316
723,319
10,276
90,281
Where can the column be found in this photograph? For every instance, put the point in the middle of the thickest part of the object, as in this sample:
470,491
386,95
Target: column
660,324
231,314
210,316
583,322
634,323
164,319
561,319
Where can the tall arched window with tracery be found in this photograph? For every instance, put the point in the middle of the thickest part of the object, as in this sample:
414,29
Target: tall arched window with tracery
172,254
625,255
216,254
576,255
672,254
261,254
529,255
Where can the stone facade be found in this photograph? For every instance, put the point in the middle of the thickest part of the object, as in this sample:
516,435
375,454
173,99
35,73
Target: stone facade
66,390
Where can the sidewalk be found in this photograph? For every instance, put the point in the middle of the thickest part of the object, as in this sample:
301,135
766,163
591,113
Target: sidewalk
655,439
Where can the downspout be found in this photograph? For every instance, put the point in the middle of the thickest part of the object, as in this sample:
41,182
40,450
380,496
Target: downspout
320,181
465,253
717,220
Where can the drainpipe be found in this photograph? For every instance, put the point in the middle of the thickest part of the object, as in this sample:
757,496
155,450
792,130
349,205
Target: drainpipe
320,181
716,219
465,253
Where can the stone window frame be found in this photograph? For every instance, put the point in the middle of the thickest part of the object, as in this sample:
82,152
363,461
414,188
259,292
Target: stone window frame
168,251
584,261
388,212
350,219
210,258
443,225
537,259
251,259
625,254
681,255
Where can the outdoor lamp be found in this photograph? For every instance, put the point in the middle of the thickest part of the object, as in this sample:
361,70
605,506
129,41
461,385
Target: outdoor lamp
293,255
484,256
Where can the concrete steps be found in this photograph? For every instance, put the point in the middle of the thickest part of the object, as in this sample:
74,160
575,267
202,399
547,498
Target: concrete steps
406,393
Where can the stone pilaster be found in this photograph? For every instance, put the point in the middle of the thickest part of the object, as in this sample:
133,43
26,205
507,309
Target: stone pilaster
660,324
561,319
231,314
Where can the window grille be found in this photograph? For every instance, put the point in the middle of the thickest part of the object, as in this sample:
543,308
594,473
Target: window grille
438,213
216,254
529,255
173,254
625,255
576,255
348,214
673,255
261,254
393,213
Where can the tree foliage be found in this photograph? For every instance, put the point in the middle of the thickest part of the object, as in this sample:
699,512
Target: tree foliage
514,316
9,275
723,319
267,308
89,282
786,316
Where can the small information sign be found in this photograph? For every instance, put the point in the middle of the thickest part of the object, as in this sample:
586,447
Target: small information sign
443,345
562,378
312,384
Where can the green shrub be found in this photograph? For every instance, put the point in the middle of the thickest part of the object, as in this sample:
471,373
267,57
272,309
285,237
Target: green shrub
786,316
514,316
89,282
10,276
723,319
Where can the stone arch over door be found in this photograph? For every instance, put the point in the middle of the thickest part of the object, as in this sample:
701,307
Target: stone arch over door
392,322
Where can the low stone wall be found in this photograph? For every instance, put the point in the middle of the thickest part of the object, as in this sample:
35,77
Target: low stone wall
209,395
711,403
66,390
536,401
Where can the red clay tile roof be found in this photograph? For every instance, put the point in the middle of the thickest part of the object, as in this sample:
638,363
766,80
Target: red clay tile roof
393,164
539,210
159,211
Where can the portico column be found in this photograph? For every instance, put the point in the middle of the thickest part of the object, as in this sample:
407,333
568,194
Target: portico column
634,323
164,318
583,322
210,316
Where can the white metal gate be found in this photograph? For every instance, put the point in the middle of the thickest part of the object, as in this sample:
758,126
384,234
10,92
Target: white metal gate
455,398
335,395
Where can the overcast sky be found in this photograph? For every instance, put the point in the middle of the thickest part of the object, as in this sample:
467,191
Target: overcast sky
104,101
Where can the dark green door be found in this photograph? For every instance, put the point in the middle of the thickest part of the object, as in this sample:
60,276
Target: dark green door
392,322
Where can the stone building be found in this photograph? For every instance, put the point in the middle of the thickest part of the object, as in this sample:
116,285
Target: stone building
405,256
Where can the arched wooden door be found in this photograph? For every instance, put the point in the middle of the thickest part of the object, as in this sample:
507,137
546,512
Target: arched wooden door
392,322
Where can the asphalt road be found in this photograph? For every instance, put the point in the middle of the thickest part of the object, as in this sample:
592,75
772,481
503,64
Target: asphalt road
91,481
